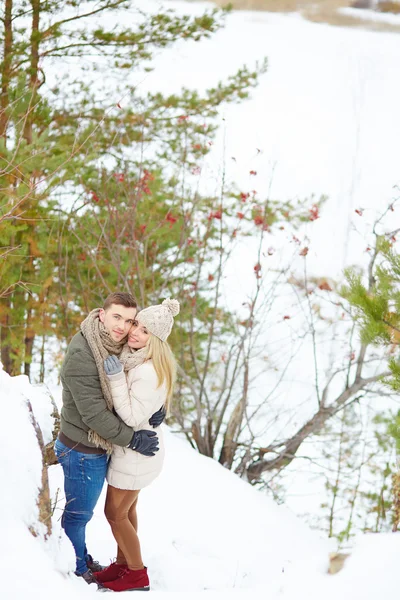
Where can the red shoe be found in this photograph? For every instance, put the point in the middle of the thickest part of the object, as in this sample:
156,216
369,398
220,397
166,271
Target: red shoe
130,580
110,573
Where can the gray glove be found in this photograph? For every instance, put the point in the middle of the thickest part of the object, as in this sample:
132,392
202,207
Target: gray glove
112,365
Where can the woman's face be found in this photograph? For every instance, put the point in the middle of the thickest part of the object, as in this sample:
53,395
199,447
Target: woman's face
138,336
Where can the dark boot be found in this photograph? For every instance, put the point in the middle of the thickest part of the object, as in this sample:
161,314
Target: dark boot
130,580
111,573
93,565
87,576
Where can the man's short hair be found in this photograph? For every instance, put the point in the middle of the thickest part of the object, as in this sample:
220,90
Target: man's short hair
121,298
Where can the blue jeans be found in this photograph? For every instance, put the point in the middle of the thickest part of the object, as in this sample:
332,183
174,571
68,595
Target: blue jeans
84,476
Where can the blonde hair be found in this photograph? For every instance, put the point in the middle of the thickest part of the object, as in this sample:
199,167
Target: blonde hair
164,364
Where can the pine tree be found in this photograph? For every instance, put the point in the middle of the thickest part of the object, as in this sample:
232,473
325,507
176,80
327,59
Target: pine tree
52,141
377,303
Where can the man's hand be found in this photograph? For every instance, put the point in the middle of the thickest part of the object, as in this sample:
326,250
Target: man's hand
158,417
112,365
145,442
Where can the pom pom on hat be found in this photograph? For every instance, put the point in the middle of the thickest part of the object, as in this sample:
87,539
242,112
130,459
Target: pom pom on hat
159,319
172,305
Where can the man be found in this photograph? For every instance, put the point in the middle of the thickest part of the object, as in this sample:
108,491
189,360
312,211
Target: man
89,428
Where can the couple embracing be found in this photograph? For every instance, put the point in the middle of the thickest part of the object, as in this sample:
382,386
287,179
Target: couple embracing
117,379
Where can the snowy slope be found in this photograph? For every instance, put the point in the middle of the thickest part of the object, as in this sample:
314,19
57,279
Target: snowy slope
203,531
371,15
27,565
202,528
325,118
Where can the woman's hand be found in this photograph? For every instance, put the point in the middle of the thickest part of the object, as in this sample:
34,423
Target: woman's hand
145,442
112,365
158,417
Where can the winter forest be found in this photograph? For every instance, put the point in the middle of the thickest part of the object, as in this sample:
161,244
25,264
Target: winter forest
244,160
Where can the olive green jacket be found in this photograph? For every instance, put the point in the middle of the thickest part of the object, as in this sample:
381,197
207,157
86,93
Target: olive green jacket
84,406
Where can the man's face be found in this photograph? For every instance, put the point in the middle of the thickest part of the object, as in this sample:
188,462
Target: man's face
117,320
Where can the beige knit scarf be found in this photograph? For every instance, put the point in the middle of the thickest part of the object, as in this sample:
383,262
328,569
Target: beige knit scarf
101,345
132,358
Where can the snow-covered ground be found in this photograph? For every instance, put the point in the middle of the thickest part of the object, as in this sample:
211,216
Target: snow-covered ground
324,120
371,15
204,532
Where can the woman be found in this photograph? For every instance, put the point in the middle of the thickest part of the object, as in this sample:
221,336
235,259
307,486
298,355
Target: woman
141,380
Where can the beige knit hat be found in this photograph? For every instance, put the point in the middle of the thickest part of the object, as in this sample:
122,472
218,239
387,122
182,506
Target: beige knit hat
159,319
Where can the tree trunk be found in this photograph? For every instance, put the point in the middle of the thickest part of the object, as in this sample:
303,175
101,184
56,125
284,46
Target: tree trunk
6,71
5,348
396,500
313,426
42,367
229,446
49,455
33,84
8,363
43,500
202,441
14,333
29,341
33,75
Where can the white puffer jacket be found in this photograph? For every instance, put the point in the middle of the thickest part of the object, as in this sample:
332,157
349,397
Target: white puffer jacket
136,397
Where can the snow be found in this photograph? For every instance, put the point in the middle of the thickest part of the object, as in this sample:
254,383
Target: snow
325,118
14,443
326,121
371,15
371,570
204,531
40,399
202,527
27,564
